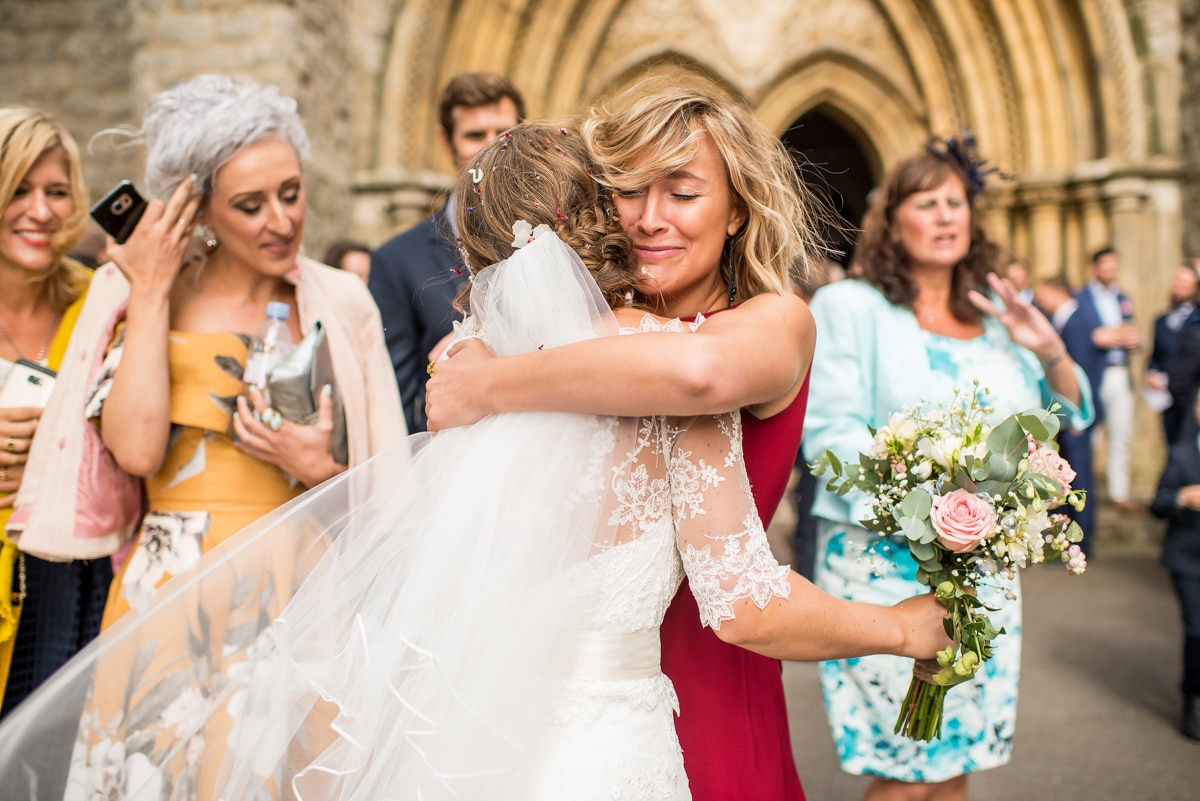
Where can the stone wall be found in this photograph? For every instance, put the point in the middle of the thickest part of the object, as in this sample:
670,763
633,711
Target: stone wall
73,60
1190,125
93,64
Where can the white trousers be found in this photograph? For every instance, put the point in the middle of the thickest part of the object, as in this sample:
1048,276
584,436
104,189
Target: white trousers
1116,393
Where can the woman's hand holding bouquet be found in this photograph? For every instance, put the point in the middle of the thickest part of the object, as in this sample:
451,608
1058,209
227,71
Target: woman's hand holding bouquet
972,502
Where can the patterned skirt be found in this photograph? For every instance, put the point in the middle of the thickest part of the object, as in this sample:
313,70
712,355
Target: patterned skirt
863,696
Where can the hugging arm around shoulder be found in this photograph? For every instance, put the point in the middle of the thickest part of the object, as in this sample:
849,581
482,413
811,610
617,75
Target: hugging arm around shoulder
755,354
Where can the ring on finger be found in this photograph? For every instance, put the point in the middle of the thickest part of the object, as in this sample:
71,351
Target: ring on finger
3,475
10,446
272,419
429,369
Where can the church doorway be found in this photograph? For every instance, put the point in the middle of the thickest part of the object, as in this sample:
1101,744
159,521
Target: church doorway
834,161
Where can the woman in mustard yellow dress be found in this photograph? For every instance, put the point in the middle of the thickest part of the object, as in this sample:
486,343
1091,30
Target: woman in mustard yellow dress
43,203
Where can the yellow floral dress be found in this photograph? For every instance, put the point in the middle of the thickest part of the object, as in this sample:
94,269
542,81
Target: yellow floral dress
206,489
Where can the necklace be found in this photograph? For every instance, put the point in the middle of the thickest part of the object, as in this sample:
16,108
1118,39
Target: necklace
45,345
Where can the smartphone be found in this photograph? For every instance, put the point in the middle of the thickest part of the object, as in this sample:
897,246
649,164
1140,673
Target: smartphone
118,212
28,384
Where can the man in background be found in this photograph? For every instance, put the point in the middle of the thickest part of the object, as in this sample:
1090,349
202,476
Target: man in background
1053,296
416,276
1168,333
1108,315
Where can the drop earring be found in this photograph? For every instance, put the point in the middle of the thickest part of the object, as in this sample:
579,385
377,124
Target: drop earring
732,275
207,236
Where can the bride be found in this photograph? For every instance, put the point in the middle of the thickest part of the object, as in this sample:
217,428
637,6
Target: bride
482,623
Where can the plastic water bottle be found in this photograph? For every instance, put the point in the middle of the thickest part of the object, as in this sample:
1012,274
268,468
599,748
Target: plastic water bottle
271,344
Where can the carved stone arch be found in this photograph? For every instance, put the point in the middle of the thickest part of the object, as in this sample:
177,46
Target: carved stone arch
968,36
893,128
655,61
406,123
1121,104
928,49
1077,109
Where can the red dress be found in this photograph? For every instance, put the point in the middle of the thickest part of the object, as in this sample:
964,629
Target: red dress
732,722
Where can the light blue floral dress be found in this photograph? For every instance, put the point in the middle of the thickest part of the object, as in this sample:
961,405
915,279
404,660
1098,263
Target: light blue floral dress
863,696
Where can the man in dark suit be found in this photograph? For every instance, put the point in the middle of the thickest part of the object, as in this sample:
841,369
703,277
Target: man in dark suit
416,275
1168,332
1053,297
1107,314
1178,500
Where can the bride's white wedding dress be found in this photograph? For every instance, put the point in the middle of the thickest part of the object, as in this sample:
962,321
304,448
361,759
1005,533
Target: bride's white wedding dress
483,626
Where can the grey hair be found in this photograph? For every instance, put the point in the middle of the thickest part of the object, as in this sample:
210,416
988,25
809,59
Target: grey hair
198,126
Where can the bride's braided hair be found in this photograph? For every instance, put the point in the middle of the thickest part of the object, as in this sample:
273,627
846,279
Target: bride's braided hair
540,172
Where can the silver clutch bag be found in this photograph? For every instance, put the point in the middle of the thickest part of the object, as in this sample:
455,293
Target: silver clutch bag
295,385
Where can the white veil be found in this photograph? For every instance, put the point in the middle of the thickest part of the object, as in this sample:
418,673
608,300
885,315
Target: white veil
401,647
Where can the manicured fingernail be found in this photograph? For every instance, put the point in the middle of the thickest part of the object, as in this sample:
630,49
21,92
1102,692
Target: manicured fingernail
194,178
327,390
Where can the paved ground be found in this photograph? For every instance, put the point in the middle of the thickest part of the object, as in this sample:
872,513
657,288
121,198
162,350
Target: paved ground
1098,716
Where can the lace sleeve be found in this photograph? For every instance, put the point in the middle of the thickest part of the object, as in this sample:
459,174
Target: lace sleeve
718,531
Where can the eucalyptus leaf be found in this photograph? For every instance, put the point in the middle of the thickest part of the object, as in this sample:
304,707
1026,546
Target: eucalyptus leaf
921,550
1005,438
1033,426
934,568
1053,424
1000,467
1074,532
917,503
994,487
912,528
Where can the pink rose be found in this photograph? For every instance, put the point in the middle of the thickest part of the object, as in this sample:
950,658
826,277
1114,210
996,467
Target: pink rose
1051,465
962,520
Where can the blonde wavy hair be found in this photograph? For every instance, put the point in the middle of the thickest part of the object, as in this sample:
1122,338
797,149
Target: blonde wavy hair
541,172
25,135
655,127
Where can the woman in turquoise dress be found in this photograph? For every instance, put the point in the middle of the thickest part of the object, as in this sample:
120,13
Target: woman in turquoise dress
915,328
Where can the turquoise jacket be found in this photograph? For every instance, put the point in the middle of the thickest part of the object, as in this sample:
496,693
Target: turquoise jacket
869,362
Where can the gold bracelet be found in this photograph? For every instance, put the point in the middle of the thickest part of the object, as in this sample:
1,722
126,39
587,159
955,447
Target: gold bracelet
1062,354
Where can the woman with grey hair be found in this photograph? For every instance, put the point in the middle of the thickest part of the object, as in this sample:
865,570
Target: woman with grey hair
226,155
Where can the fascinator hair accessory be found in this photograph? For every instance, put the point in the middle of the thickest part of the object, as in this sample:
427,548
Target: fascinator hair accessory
961,150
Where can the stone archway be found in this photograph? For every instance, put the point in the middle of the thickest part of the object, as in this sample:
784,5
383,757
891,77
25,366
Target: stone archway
1092,153
834,160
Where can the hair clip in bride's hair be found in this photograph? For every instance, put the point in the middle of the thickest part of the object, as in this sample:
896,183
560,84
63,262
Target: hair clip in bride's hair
524,233
476,174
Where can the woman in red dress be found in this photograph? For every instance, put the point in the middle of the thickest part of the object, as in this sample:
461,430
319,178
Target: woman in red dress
718,218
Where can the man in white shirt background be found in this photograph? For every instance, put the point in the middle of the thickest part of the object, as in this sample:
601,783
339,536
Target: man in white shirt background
1108,314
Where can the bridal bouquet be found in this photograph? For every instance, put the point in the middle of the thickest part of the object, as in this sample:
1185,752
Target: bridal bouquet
973,502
